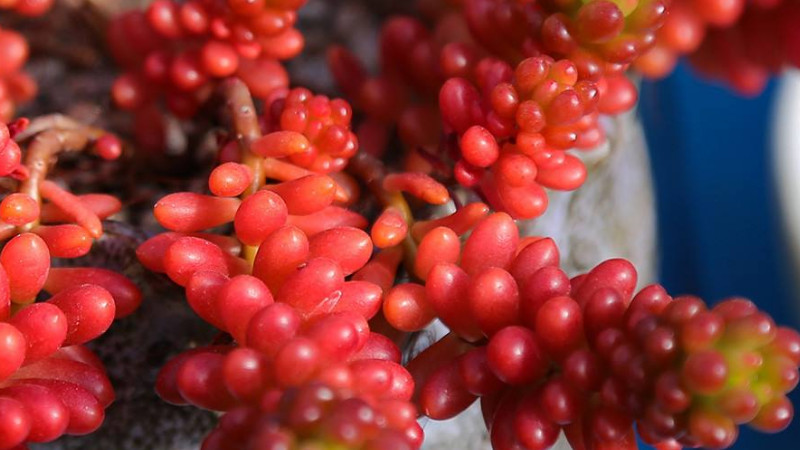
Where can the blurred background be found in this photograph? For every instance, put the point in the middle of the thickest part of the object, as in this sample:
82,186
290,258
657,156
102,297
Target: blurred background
721,223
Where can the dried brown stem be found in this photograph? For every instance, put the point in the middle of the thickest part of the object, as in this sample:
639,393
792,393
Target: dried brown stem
83,57
52,122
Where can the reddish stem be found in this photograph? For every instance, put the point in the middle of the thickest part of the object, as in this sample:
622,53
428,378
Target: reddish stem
48,140
247,130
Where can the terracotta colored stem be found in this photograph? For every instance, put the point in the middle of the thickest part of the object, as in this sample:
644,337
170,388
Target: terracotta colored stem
244,122
49,137
246,129
372,172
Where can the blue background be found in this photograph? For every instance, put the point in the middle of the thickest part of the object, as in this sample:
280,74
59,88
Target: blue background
719,219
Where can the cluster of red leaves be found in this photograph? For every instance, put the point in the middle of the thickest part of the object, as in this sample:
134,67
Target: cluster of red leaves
546,353
176,52
505,121
49,383
15,85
